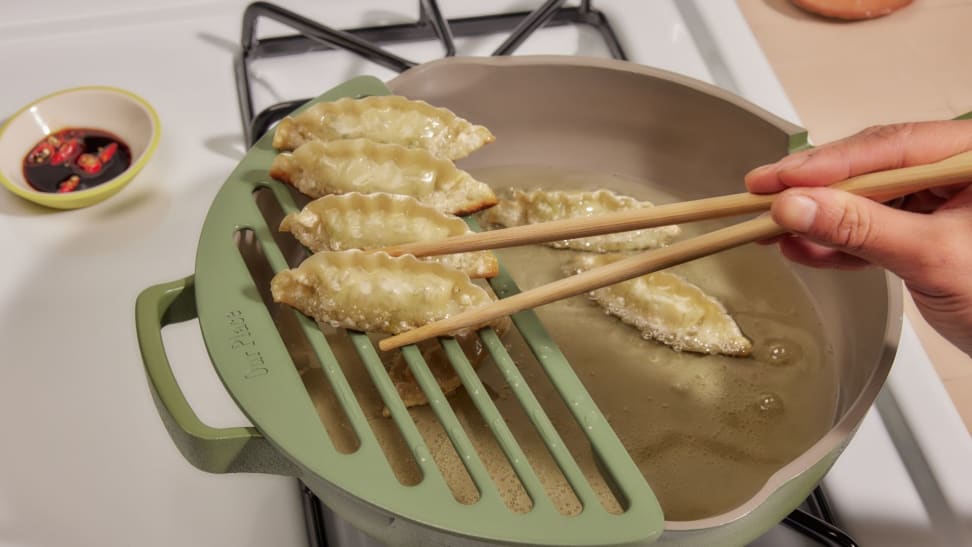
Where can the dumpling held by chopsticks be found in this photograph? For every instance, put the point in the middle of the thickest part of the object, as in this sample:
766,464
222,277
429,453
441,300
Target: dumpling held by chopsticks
518,207
668,309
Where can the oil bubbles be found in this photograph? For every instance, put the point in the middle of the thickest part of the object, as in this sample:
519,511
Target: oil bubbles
769,404
779,352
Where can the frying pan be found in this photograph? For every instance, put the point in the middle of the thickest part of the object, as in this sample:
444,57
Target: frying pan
586,114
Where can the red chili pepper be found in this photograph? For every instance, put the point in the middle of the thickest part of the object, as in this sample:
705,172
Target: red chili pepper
69,185
41,153
66,152
108,152
89,163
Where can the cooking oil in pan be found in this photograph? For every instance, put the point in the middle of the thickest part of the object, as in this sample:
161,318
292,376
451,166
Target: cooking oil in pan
707,431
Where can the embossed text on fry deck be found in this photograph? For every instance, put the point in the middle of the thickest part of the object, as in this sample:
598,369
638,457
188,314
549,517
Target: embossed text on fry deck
241,340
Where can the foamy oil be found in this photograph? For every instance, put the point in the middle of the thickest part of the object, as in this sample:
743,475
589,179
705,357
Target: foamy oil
707,431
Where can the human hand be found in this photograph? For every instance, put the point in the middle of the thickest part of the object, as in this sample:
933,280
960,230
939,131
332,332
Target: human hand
926,240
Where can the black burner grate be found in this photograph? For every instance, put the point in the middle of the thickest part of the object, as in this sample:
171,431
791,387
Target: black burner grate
366,42
817,520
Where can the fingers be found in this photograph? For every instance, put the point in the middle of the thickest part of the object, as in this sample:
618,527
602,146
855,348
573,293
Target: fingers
855,226
808,253
958,200
830,228
874,149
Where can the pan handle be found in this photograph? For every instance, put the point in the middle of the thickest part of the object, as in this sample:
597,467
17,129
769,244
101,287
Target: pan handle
216,450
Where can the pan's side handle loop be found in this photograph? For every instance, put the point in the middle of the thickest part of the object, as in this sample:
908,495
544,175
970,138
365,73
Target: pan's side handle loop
216,450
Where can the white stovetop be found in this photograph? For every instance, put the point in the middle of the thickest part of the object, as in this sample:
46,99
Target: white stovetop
86,460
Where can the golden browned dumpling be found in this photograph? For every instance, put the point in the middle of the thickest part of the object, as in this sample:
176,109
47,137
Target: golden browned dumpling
668,309
518,207
388,119
374,221
317,169
374,292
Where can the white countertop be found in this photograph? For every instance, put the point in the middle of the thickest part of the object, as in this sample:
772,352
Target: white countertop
86,460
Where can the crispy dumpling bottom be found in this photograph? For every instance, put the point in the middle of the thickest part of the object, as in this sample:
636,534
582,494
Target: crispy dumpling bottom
668,309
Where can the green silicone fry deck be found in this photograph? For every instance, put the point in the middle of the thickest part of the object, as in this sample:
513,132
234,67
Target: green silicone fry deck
254,364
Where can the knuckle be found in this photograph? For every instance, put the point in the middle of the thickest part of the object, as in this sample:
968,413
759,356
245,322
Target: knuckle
852,228
891,131
895,138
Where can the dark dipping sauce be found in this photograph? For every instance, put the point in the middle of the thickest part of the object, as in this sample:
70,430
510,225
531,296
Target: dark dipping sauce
75,159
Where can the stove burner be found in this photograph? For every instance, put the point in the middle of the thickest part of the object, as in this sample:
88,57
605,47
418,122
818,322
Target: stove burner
818,522
814,519
364,42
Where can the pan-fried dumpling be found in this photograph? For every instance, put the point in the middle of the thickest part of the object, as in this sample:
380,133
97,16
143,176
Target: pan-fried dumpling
668,309
373,221
518,207
360,165
374,292
388,119
439,364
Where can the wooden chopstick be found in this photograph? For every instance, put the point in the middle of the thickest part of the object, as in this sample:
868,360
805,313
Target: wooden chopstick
884,185
744,232
608,223
872,185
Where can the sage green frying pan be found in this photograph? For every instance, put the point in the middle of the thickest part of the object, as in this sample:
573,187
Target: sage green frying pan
524,100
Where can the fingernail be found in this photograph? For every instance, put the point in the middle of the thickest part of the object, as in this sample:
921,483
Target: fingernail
795,212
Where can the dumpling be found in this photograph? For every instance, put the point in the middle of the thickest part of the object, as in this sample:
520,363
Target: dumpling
360,165
518,207
373,221
388,119
374,292
439,364
667,308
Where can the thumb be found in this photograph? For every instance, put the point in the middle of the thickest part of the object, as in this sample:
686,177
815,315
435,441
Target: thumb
890,238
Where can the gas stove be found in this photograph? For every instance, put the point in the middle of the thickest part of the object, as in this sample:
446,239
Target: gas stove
703,40
899,482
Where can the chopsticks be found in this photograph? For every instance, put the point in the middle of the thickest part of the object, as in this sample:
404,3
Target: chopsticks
570,228
881,186
873,185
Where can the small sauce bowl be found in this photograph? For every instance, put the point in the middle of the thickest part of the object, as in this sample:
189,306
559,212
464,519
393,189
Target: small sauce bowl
109,109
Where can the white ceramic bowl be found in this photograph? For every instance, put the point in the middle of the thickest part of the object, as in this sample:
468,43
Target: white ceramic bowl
110,109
